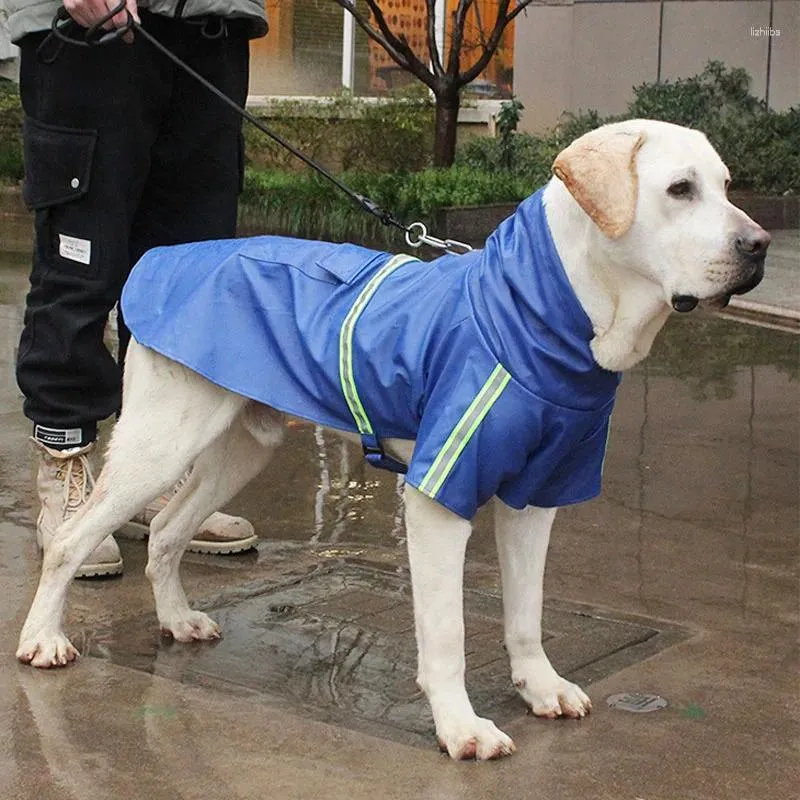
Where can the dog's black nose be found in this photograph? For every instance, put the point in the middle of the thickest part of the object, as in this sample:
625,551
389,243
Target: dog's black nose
753,244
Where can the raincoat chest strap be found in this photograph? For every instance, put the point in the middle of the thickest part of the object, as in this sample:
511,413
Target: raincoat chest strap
373,451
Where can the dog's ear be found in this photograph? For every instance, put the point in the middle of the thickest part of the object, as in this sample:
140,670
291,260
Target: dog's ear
599,170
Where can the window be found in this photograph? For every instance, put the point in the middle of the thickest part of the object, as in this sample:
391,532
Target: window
309,49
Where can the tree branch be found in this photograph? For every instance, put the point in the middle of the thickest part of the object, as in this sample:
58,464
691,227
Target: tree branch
504,18
433,45
457,37
363,23
481,31
521,6
400,39
409,60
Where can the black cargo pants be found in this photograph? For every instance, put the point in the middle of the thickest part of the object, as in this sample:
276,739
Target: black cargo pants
123,152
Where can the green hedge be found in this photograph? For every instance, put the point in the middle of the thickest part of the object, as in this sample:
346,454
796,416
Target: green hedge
760,147
303,204
10,132
345,133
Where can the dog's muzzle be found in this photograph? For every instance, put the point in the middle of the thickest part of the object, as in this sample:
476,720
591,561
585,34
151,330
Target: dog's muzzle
687,302
751,282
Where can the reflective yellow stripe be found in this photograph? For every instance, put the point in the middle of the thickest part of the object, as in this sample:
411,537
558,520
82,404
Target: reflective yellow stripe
346,341
463,431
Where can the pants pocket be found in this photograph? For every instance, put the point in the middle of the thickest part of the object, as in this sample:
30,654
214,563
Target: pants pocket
58,171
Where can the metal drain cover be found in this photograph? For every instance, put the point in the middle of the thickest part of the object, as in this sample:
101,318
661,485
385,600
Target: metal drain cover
339,646
636,702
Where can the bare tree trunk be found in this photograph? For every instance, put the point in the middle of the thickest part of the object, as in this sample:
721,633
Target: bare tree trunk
444,144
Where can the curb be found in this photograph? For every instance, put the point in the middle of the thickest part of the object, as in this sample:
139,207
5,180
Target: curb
764,314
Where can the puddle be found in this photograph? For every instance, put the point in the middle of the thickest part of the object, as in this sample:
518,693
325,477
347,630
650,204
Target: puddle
339,646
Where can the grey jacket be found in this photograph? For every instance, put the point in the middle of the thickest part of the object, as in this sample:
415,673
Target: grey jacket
29,16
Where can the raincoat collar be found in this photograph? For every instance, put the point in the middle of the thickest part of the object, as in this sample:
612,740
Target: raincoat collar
530,316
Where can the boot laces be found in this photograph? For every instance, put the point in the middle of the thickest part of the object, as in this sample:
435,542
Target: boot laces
78,482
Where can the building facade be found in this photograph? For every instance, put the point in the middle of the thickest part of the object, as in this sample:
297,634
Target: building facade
573,55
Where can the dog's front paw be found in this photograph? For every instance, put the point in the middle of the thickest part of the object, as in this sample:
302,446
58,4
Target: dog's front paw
191,626
549,695
476,738
45,650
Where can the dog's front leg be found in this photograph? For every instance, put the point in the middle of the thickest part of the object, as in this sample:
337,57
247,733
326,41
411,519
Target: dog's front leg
437,541
522,540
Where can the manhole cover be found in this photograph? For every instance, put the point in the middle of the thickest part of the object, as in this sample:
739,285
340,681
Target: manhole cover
339,646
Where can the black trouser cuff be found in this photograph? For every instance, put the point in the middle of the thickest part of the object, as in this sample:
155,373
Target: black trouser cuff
64,438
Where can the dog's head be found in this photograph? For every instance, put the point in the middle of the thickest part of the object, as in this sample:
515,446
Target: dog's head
657,193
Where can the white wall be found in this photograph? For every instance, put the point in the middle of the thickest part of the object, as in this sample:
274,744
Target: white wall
573,55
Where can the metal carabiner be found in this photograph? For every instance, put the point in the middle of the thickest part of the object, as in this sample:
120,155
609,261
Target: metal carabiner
421,231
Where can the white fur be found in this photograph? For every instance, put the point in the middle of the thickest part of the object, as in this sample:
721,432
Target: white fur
174,418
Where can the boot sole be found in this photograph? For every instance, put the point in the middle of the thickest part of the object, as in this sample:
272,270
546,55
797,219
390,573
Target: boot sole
138,531
103,569
222,548
98,570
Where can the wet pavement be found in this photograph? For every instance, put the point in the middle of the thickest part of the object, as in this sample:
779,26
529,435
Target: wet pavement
681,581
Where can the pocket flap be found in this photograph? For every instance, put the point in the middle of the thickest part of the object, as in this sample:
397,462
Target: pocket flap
58,163
347,261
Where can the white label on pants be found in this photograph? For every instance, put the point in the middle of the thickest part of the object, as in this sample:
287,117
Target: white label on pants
74,249
57,436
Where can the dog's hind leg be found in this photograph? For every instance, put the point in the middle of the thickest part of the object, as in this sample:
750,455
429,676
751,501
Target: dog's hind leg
225,467
171,414
522,540
437,541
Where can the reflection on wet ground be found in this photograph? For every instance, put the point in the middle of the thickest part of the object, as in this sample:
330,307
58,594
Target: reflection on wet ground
338,645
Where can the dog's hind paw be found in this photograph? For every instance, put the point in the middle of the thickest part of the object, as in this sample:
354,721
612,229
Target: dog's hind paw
480,739
46,650
191,627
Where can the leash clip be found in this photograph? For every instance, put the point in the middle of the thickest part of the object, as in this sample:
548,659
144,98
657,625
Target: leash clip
417,235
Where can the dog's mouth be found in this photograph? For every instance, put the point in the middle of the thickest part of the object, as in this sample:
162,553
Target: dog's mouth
684,303
718,302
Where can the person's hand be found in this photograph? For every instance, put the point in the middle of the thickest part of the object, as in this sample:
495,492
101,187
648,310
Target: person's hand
89,12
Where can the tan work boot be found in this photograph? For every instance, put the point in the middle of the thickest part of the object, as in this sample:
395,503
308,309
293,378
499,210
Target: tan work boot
220,533
64,481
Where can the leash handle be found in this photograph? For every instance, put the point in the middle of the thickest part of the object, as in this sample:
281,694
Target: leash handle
416,234
96,34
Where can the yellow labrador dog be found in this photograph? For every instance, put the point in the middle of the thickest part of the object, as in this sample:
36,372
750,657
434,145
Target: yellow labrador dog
635,223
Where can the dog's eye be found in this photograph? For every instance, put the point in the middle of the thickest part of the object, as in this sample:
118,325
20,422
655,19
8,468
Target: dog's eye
681,189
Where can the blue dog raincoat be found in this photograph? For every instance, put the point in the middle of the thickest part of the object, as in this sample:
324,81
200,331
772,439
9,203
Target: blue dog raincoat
483,358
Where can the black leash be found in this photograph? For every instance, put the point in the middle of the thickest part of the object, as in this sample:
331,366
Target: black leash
416,234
